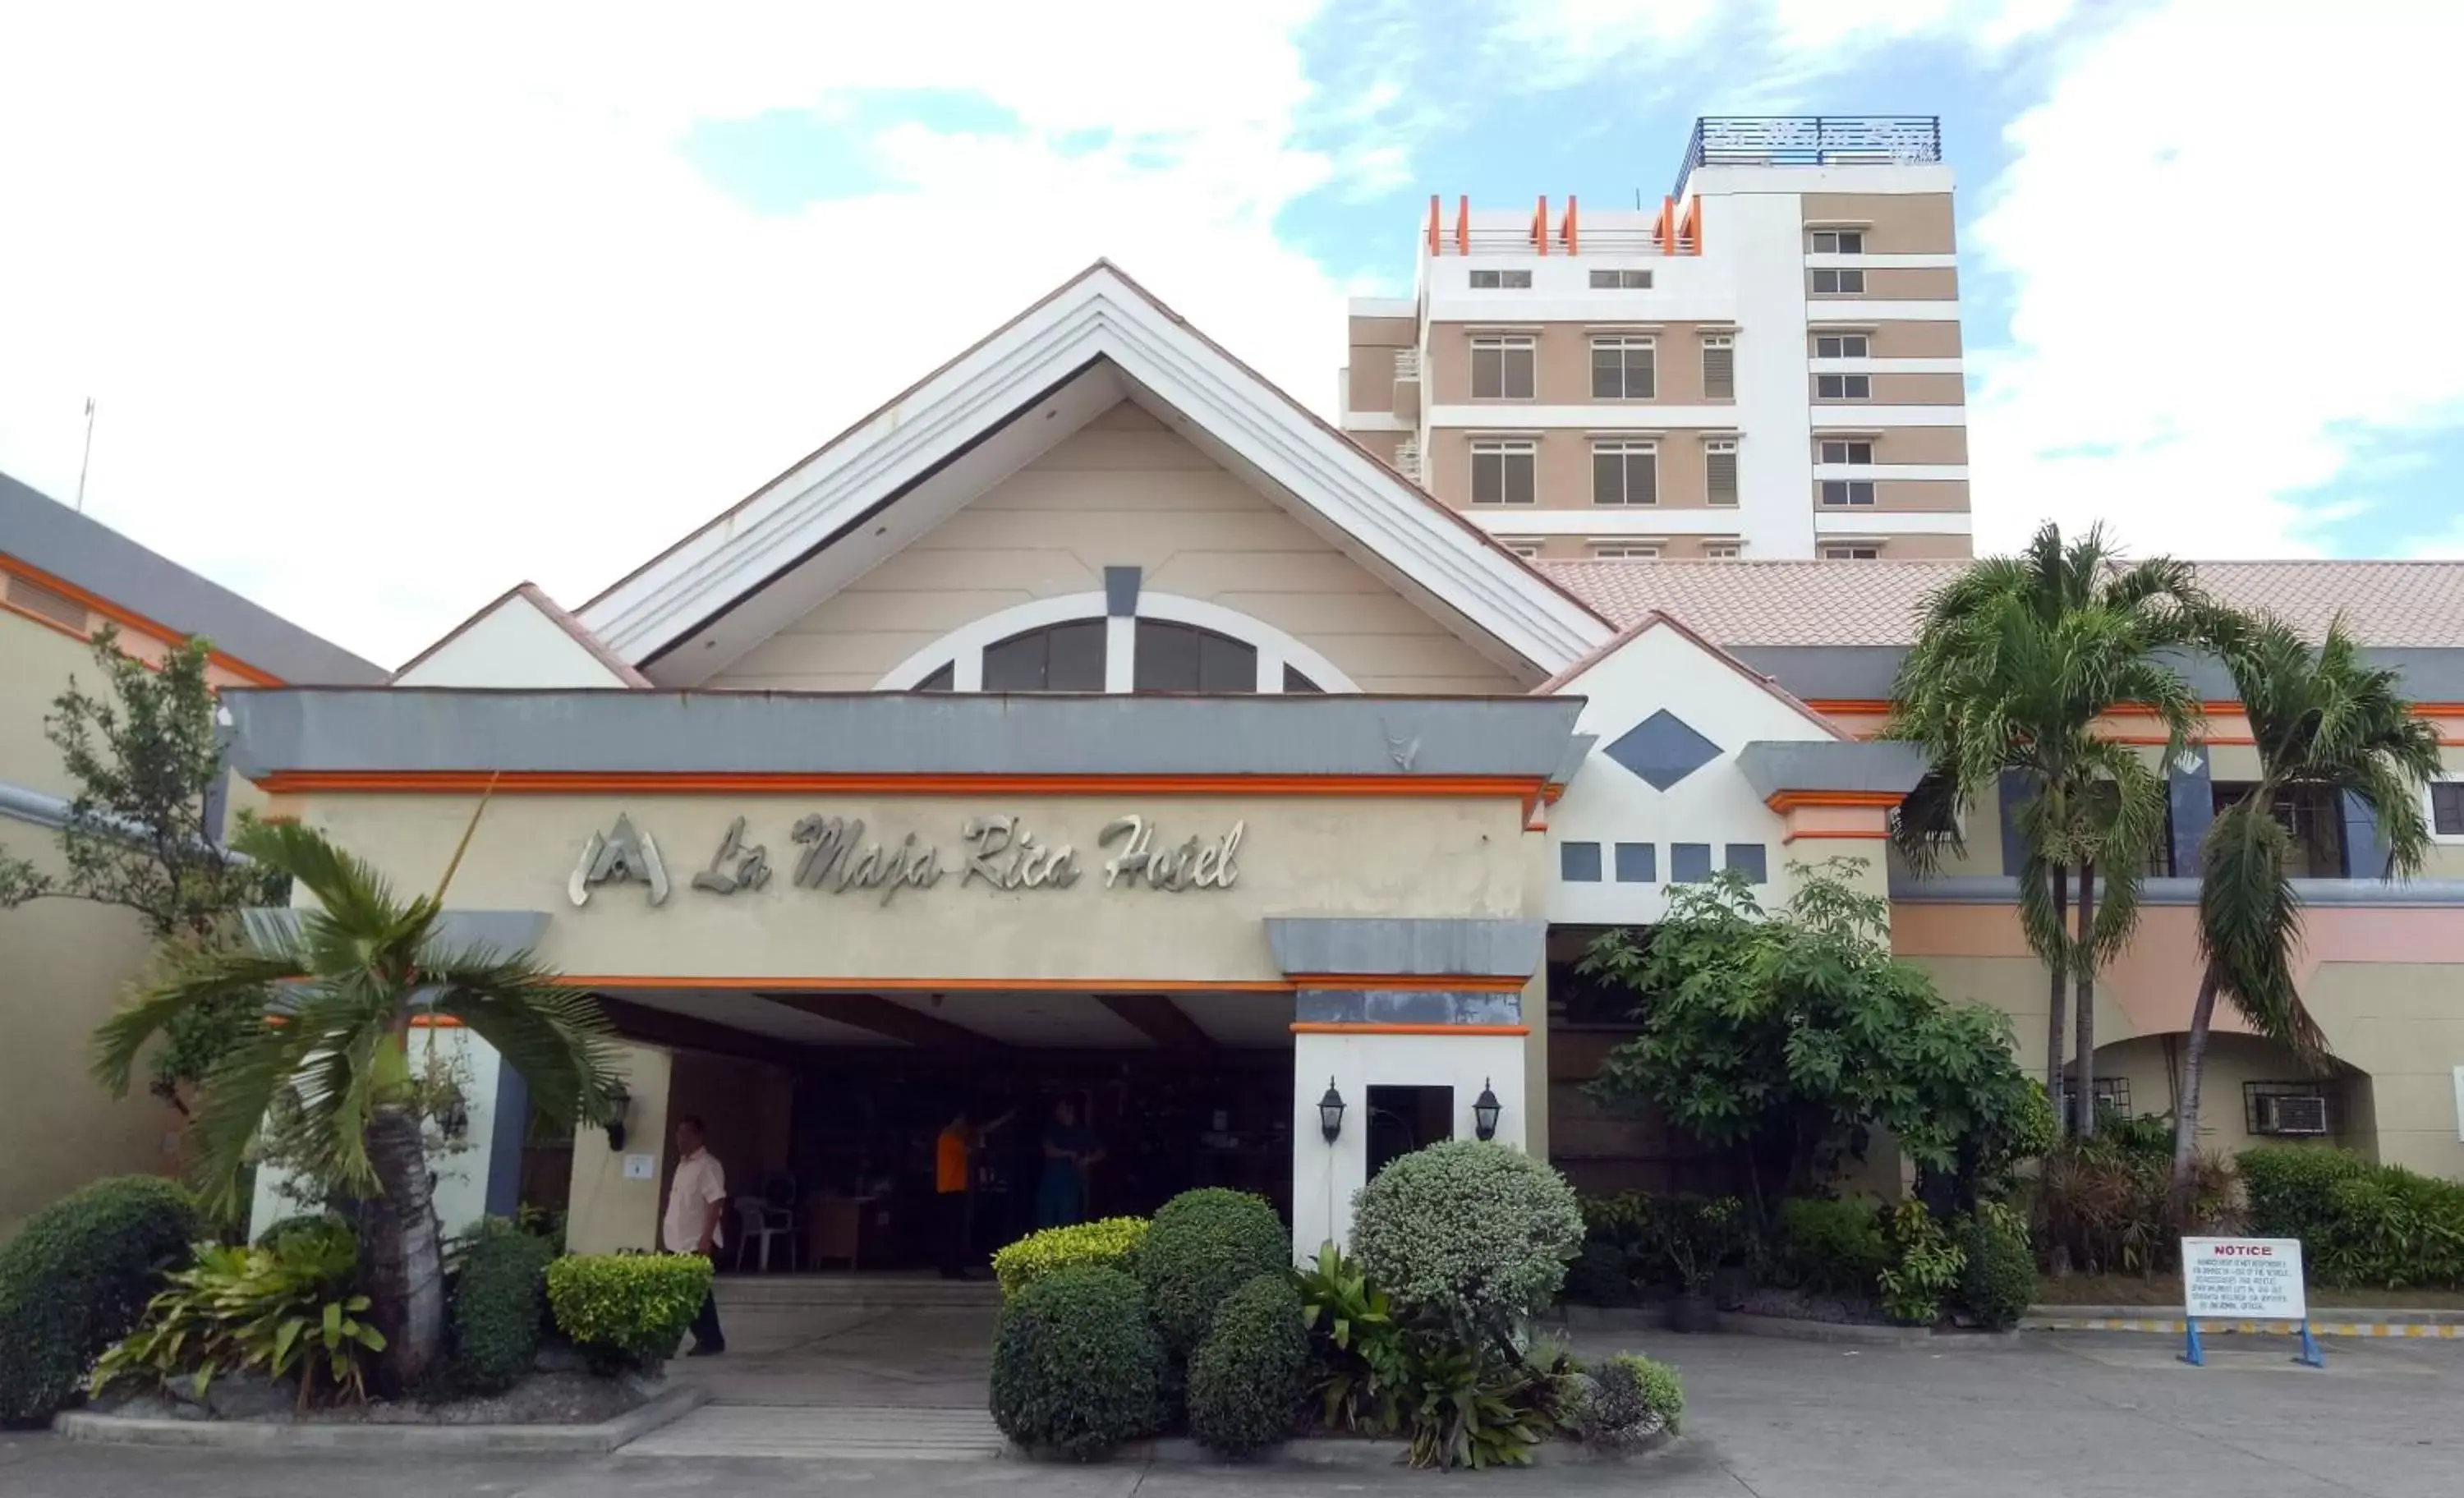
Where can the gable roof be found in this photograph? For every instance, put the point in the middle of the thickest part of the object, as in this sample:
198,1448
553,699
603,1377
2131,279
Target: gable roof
150,589
1656,620
550,610
2389,605
960,427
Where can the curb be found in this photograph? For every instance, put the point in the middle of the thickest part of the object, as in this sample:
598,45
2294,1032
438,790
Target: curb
1353,1453
2178,1326
1737,1323
607,1436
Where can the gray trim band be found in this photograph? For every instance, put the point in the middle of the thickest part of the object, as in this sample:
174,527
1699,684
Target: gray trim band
501,931
1830,766
2430,673
1987,890
408,729
1404,1006
1397,946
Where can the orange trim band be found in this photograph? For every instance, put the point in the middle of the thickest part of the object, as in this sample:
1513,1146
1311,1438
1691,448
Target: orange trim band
863,986
1788,801
571,782
1418,982
1314,1028
131,619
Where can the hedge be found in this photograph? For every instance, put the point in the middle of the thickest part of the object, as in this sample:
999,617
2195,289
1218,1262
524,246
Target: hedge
1203,1245
1245,1380
1832,1247
499,1306
2361,1225
1999,1279
627,1309
1462,1226
1106,1244
1077,1369
75,1279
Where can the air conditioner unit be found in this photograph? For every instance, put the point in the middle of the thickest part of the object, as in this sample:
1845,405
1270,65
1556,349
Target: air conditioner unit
2293,1114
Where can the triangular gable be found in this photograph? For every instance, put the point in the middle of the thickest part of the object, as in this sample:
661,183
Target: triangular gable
521,638
1656,620
962,427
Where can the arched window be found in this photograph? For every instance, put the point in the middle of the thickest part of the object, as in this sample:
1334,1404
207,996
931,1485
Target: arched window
1078,644
1061,657
1179,658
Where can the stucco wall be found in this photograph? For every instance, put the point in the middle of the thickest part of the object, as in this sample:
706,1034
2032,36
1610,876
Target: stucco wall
607,1211
1378,855
1124,492
1326,1177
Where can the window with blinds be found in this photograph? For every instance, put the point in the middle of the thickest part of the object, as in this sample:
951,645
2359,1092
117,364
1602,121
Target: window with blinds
1622,369
1502,368
1719,367
1504,472
1625,473
1720,470
37,599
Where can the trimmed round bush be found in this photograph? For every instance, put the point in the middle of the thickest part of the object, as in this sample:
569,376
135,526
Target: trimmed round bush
75,1279
1470,1229
1833,1247
627,1310
1105,1244
1077,1369
499,1306
1629,1399
1244,1380
2000,1277
1203,1245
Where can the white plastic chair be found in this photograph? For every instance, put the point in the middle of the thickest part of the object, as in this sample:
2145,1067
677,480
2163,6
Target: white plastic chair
757,1221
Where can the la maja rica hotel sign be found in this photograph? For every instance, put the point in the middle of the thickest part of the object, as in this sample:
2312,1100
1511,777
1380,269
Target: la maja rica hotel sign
831,855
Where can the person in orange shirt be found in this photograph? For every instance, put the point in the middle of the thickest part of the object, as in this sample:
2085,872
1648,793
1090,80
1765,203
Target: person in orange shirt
953,1188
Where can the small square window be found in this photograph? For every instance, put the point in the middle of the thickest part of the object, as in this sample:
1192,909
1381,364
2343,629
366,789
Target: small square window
1848,491
1504,473
1838,283
1637,863
1855,454
1501,280
1689,863
1722,551
1748,859
1840,345
1853,551
1502,368
2446,808
1627,551
1578,863
1620,280
1839,241
1719,367
1843,388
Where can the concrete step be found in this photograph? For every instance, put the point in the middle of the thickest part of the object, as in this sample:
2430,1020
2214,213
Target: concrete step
843,1434
758,1292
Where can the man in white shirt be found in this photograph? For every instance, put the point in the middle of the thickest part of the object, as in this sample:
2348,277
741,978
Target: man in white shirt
697,1201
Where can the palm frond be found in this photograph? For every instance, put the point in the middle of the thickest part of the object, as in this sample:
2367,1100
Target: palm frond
2250,923
556,1037
350,893
195,975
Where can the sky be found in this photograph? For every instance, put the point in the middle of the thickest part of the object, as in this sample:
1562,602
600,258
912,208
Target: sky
386,308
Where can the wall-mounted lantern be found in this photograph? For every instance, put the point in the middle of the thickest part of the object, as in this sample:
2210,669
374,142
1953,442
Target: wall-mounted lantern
1329,1112
620,1102
1485,1110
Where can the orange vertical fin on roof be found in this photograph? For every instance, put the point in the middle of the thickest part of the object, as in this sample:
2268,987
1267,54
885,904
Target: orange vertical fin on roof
1573,244
1434,241
1462,224
1691,230
1540,226
1668,225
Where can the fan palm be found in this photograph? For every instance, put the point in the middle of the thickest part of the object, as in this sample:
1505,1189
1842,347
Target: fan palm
341,983
2325,723
2017,661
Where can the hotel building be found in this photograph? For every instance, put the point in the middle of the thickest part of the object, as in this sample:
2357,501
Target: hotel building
1763,365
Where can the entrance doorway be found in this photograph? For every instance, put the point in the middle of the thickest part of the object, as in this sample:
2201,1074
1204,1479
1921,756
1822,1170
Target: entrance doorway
1402,1120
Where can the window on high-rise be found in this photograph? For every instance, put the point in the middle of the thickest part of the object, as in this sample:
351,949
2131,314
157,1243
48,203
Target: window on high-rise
1843,388
1851,551
1856,453
1620,280
1626,551
1719,367
1501,280
1840,345
1624,369
1839,241
1720,471
1847,491
1625,473
1504,472
1502,368
1838,283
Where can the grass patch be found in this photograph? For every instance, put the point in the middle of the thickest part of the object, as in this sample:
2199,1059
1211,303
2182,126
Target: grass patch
2166,1290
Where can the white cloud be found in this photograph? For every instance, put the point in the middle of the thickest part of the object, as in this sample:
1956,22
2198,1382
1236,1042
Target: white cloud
2230,242
1798,40
384,316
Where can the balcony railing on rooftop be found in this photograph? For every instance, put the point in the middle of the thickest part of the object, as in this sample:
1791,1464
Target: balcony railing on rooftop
1809,141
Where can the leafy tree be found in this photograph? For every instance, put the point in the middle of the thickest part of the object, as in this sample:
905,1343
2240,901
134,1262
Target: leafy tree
140,833
2017,661
2324,722
347,977
1787,1037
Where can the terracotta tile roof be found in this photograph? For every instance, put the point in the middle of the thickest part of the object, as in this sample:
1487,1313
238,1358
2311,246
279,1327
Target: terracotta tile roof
2384,603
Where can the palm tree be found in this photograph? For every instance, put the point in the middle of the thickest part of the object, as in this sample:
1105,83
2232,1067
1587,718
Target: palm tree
2018,660
2325,724
343,982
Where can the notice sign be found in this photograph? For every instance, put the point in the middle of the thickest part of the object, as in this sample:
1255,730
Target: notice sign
2243,1277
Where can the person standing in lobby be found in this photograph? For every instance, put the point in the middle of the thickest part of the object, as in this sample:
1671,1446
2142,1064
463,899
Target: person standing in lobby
953,1189
1069,1150
696,1202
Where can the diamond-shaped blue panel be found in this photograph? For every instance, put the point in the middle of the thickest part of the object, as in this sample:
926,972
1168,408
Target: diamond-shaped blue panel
1663,749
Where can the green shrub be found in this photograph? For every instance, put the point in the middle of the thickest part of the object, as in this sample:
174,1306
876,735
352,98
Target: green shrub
275,1310
1927,1266
1832,1247
1203,1247
1466,1405
627,1310
1696,1237
1244,1380
1468,1230
1629,1399
75,1279
1359,1345
499,1305
1106,1244
2289,1188
1077,1368
1999,1281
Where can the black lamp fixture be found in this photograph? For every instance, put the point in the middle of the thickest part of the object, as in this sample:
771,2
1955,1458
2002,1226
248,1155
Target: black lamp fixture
620,1100
454,1116
1329,1112
1484,1110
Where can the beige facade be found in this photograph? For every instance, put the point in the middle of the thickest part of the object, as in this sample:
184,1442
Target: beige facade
1892,338
1562,361
1891,444
1895,223
1895,390
1889,283
1563,476
1125,491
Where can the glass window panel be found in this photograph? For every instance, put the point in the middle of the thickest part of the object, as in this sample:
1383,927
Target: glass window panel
946,679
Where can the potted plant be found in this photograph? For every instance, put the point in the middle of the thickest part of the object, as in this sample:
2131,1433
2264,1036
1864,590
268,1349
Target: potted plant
1697,1237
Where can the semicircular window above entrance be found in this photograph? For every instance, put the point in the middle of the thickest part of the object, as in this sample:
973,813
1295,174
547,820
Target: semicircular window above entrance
1083,644
1061,657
